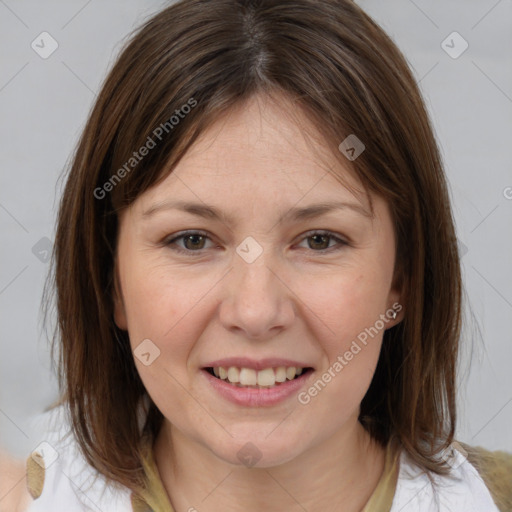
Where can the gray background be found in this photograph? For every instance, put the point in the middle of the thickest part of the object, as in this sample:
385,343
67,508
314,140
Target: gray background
43,107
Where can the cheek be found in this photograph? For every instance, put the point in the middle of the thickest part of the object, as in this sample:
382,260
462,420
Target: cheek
347,324
346,302
350,335
165,305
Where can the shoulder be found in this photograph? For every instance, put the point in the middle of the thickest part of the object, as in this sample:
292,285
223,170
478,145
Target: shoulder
59,477
495,468
462,490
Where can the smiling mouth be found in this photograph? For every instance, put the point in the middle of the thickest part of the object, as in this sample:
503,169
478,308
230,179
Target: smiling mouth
262,379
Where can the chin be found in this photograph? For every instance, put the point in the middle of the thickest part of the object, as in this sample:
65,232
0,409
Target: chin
257,450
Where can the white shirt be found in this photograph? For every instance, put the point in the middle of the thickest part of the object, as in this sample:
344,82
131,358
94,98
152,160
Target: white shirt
461,491
71,485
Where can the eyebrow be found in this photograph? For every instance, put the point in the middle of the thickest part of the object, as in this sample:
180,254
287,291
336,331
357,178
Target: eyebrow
293,214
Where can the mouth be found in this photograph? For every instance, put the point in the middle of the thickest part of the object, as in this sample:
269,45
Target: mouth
250,378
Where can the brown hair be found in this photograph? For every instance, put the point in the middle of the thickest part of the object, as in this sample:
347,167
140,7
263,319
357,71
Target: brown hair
341,69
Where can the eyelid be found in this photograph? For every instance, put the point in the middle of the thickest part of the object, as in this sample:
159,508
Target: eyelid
326,232
170,241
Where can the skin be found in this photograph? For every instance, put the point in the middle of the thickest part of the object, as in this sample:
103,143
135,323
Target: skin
293,301
14,496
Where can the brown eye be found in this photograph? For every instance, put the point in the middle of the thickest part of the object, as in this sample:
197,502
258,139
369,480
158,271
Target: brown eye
319,241
193,241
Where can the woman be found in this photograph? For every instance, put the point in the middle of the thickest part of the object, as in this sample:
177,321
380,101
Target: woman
257,277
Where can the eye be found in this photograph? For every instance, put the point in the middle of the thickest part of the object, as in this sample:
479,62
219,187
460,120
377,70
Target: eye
194,241
320,241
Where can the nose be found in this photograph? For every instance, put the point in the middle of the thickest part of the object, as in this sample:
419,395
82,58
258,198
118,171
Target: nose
258,302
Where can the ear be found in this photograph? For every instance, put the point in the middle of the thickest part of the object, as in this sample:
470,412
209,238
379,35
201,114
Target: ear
395,299
119,309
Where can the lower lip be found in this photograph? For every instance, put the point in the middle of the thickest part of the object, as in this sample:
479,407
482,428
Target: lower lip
252,397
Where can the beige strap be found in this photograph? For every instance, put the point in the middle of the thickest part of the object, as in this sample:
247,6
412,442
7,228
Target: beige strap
139,505
153,498
382,497
35,475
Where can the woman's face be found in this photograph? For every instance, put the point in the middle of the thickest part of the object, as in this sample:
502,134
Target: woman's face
260,288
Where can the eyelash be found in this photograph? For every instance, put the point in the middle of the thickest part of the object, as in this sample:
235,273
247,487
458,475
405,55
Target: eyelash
172,242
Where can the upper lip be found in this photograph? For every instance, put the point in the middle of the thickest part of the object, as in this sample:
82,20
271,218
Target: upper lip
259,364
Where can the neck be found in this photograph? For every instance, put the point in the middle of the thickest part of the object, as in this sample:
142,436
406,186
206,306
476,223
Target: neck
340,473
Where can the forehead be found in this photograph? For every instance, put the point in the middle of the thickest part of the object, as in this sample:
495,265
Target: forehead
262,148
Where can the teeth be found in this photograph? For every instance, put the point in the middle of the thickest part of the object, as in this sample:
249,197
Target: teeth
266,377
233,374
280,374
248,377
263,378
290,372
